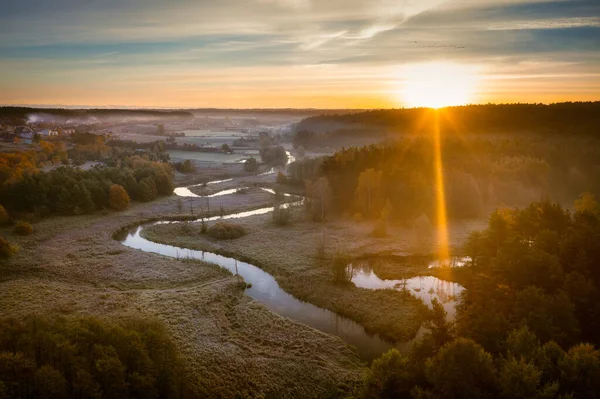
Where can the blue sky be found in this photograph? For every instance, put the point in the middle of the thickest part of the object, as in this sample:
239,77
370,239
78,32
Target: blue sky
292,53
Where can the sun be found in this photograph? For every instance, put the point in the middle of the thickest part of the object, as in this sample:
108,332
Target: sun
437,84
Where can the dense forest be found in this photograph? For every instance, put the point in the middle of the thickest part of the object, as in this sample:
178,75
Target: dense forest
565,119
479,174
88,358
527,324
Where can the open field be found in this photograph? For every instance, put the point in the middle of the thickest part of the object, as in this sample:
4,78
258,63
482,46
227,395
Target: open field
231,344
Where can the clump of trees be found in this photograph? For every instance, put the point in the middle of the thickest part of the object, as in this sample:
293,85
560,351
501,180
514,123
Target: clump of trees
88,358
73,191
186,166
526,325
273,155
250,165
226,231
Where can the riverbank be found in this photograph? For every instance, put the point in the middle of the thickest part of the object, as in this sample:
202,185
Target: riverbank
289,254
232,345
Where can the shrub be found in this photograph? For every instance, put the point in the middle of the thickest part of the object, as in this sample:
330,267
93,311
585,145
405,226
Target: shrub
4,218
118,199
281,178
23,228
6,248
341,272
226,231
281,215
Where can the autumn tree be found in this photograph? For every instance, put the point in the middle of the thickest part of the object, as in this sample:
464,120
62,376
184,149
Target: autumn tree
320,198
118,199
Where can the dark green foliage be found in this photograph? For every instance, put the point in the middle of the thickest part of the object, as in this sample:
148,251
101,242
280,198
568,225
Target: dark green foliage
275,156
72,191
87,358
226,231
532,291
186,166
250,165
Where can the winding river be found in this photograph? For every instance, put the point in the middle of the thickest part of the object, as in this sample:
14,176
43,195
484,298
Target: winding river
265,289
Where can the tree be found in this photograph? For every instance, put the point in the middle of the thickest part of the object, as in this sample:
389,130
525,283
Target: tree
580,369
462,369
320,198
225,148
587,203
281,178
160,129
118,199
50,383
250,165
389,377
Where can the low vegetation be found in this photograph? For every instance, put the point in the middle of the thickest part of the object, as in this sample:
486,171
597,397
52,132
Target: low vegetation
6,248
226,231
23,228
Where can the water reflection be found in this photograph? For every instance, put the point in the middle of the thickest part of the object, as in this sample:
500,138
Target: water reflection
423,287
454,261
266,290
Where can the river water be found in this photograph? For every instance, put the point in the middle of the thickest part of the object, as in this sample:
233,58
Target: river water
265,289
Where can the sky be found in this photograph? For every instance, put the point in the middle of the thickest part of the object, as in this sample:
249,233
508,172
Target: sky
295,53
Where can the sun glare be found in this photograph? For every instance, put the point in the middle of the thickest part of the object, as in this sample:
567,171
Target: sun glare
437,85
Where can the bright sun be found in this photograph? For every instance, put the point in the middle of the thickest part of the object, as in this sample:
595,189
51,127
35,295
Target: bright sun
437,85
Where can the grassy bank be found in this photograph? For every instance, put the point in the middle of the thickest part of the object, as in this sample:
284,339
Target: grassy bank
231,345
289,254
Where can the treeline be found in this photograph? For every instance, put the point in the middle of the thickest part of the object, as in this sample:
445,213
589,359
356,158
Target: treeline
73,191
19,115
563,118
479,174
527,324
88,358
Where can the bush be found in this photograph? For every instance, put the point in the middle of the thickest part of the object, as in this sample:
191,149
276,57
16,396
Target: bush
341,272
281,178
4,217
226,231
118,199
23,228
281,215
7,249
